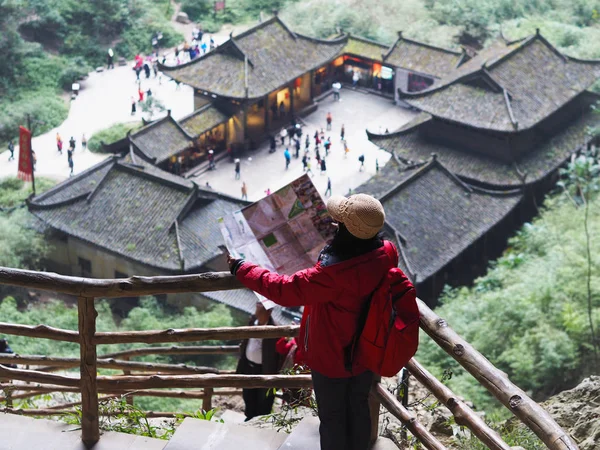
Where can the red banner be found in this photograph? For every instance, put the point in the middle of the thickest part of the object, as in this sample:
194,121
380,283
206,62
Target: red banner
25,162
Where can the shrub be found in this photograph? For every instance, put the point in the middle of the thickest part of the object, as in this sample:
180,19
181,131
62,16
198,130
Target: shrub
111,135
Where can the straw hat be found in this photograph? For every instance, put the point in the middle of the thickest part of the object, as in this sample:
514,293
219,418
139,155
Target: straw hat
362,214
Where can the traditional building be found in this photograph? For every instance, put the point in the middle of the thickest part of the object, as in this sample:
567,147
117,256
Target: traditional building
507,118
445,230
126,217
258,81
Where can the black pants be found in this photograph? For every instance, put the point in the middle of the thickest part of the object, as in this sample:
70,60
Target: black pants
343,405
257,402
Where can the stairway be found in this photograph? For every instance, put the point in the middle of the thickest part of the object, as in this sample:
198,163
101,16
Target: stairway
195,434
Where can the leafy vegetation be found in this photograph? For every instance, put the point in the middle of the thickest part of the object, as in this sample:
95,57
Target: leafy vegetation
533,314
111,134
21,245
48,44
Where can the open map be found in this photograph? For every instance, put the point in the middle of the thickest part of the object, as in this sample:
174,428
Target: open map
283,232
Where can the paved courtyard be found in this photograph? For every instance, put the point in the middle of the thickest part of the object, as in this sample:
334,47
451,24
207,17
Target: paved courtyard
358,111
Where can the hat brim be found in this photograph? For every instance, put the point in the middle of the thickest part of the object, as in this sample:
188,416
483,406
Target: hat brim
336,205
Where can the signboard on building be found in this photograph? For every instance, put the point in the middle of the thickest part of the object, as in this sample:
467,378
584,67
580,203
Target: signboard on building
283,232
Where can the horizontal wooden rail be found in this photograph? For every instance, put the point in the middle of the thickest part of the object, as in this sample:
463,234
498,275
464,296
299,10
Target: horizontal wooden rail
196,334
495,381
52,412
44,389
126,382
463,415
106,363
176,350
122,287
407,418
39,331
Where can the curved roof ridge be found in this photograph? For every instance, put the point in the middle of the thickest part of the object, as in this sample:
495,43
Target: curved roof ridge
73,180
154,175
68,201
367,40
404,129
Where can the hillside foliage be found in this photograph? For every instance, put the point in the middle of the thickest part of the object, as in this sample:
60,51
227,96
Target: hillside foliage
530,314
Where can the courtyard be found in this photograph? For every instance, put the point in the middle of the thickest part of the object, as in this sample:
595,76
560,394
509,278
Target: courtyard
358,111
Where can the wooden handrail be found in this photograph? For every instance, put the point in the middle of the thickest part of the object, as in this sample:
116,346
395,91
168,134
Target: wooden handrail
463,415
495,381
407,418
122,287
106,363
176,350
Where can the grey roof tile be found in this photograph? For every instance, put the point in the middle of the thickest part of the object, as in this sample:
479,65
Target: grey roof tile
161,139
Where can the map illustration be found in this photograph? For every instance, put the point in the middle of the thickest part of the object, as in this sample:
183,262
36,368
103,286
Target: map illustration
283,232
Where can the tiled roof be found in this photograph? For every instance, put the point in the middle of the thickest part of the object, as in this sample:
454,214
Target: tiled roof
139,212
411,146
422,58
437,217
365,48
388,177
245,300
161,139
203,119
275,56
508,88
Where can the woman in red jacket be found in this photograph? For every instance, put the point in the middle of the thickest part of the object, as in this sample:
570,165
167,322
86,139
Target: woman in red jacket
334,290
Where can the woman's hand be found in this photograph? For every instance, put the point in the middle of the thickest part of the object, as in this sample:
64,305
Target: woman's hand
230,261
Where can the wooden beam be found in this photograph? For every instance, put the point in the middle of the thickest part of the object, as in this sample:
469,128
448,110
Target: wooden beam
463,415
176,350
39,331
90,427
52,412
123,287
407,418
196,334
105,363
495,381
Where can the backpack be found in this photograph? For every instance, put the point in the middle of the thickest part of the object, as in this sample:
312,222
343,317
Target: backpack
387,336
361,158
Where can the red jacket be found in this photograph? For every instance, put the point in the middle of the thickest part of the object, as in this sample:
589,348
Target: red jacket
333,296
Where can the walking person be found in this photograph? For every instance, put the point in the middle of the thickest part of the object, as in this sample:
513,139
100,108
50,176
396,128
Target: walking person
343,133
307,143
272,144
211,160
323,167
335,290
237,168
329,119
327,145
133,107
70,160
288,158
361,158
83,142
355,78
110,64
244,191
72,143
346,150
336,90
297,143
305,161
283,135
59,144
11,149
318,155
259,357
308,166
328,190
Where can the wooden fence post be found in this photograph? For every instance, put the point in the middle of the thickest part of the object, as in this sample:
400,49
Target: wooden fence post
207,399
90,431
374,405
128,398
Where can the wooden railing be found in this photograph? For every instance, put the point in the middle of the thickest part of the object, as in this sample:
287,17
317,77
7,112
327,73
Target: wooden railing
89,384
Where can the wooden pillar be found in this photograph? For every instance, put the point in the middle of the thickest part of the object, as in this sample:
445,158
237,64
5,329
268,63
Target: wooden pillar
207,400
90,431
291,89
374,405
129,398
312,87
245,125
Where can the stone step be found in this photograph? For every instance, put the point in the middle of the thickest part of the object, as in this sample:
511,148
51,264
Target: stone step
19,432
194,434
306,437
230,416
